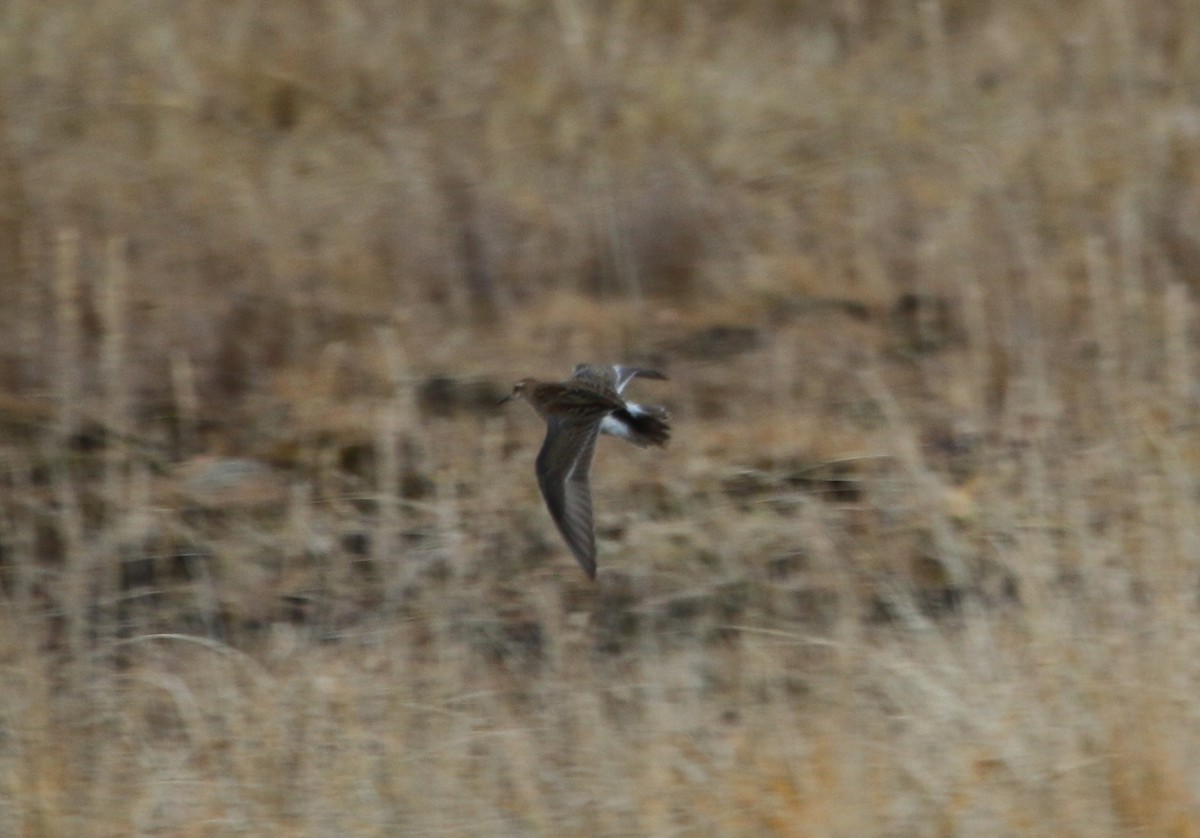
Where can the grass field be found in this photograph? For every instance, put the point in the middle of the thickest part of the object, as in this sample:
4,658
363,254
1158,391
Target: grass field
922,558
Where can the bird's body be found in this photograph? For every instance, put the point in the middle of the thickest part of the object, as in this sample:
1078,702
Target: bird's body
576,412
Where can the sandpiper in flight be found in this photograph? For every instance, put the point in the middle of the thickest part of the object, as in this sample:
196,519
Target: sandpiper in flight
577,411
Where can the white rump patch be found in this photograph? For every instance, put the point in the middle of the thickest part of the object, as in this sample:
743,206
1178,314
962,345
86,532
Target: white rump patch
615,427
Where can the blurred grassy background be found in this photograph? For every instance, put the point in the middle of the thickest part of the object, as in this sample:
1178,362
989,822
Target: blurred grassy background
920,560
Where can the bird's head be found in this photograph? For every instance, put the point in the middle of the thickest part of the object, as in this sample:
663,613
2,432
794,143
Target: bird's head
520,390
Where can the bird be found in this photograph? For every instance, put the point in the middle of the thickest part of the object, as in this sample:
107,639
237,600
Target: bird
577,411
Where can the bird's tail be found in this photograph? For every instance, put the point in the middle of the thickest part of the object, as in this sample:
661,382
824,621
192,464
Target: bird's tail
641,424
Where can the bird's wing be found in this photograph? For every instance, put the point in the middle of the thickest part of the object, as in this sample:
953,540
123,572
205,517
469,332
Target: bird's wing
563,466
623,375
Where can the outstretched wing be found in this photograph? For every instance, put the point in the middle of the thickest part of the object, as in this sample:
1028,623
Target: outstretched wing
616,376
563,466
626,374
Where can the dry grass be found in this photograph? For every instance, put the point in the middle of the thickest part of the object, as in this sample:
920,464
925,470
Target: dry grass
921,560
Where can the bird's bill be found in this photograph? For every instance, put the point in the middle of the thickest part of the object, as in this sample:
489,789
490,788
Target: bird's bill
505,400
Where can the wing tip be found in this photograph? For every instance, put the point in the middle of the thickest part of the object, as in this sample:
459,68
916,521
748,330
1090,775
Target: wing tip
623,370
585,554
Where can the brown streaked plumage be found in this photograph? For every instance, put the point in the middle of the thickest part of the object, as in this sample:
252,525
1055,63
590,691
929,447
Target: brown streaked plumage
577,411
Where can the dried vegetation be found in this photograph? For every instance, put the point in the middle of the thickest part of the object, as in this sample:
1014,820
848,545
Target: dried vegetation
922,558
